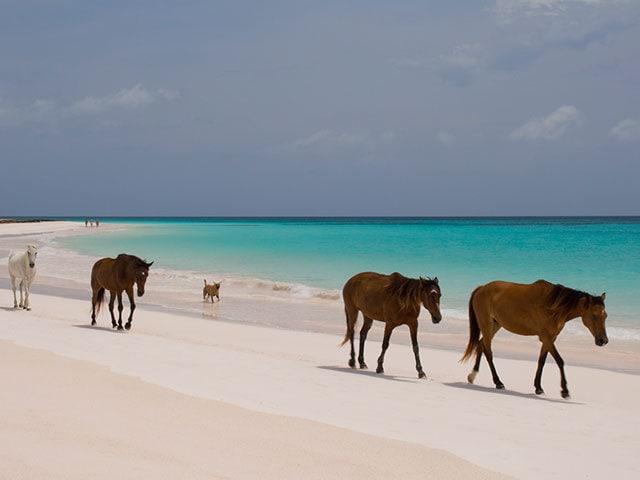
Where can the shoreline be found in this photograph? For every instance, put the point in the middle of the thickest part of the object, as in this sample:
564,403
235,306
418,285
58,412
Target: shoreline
319,315
300,376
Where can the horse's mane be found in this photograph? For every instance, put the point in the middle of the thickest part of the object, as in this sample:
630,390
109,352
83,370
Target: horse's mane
564,300
138,261
408,290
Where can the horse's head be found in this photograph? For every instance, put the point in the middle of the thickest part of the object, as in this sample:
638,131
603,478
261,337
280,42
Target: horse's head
430,295
142,272
32,253
593,317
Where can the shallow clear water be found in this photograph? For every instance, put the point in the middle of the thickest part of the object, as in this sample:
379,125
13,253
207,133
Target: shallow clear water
315,256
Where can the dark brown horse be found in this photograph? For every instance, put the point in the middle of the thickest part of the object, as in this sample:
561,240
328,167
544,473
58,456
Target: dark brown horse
539,308
117,275
393,299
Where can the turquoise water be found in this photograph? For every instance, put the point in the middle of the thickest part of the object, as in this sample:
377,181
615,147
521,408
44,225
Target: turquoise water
592,254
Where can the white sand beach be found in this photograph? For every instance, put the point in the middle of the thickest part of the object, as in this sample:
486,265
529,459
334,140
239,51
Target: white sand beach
186,396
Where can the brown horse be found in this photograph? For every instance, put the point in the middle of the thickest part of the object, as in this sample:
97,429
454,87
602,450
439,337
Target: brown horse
539,308
393,299
116,275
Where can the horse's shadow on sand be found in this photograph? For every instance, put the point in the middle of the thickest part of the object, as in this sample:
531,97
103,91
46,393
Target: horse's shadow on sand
11,309
368,373
510,393
100,329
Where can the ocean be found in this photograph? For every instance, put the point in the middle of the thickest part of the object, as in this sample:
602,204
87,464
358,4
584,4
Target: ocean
309,259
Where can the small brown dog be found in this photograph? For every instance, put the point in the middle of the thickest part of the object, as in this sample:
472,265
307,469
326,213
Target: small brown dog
211,290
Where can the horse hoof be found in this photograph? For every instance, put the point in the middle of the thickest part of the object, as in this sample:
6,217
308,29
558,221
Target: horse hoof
565,394
422,375
28,309
539,391
379,370
363,366
500,386
127,326
120,327
93,322
352,363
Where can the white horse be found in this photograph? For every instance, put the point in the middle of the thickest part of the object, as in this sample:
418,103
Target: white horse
23,266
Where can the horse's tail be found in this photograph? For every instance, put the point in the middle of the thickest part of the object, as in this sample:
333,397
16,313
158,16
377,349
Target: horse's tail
99,300
474,330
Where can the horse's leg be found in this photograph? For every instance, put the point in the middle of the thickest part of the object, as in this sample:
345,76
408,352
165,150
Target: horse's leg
13,287
120,308
112,301
363,336
27,289
351,313
476,366
563,380
94,301
132,304
388,328
413,330
537,382
496,380
488,353
21,297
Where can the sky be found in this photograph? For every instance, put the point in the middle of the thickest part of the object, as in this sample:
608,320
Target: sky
319,108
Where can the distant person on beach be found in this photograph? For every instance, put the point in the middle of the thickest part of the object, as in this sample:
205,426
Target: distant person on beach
97,222
86,222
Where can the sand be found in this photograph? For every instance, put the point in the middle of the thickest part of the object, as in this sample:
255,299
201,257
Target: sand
182,396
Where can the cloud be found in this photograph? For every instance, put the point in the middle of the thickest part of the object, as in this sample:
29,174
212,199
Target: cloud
38,111
325,138
365,145
464,56
458,66
627,129
42,111
445,138
550,127
131,98
532,29
389,136
510,10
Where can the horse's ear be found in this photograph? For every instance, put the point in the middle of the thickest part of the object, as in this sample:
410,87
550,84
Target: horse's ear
149,264
435,280
603,296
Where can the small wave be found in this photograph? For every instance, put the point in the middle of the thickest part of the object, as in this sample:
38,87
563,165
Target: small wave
294,290
452,313
616,333
621,333
187,281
